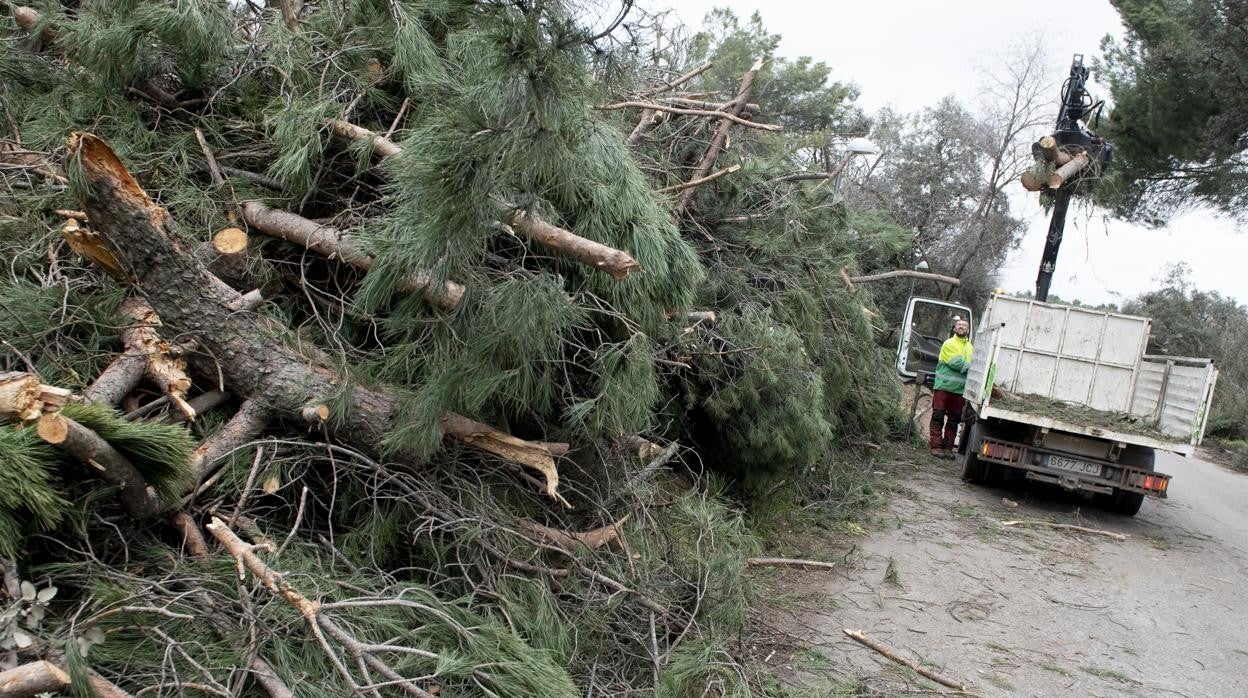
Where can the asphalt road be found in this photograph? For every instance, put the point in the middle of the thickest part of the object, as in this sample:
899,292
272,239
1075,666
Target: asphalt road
1034,611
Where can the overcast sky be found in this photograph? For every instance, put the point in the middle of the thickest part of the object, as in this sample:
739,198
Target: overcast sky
909,53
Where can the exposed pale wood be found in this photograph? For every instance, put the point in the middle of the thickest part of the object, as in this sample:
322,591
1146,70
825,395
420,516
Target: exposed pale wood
315,415
33,679
617,263
721,134
1055,155
248,301
706,317
695,182
164,363
638,446
137,497
381,145
789,562
86,243
1030,181
20,397
201,403
532,455
655,106
860,637
336,244
906,273
1064,173
1069,527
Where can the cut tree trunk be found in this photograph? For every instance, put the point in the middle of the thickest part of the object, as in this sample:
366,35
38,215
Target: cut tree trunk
1031,182
1064,173
335,244
137,497
255,354
23,398
617,263
1055,155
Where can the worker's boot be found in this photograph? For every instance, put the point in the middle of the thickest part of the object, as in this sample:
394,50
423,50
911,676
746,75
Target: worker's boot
939,453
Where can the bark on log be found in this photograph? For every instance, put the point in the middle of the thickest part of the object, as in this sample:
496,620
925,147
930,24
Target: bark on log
123,375
1031,182
192,540
137,497
24,398
1064,173
617,263
268,679
32,679
336,244
246,424
255,354
201,403
721,135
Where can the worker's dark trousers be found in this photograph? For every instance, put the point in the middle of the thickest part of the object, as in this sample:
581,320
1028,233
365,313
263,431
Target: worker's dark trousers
946,413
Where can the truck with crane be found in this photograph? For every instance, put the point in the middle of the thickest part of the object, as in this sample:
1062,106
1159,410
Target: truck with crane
1062,394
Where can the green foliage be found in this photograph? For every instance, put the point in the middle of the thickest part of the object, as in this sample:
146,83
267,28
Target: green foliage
28,487
1239,460
1177,127
160,452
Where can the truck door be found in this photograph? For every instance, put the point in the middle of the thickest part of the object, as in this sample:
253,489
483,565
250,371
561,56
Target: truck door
927,324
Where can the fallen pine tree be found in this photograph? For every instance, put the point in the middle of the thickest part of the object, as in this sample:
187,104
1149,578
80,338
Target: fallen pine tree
432,346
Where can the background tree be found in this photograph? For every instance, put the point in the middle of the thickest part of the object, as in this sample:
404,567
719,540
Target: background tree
945,172
1179,81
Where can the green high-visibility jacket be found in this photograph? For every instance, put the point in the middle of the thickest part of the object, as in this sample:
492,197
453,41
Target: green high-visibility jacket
955,361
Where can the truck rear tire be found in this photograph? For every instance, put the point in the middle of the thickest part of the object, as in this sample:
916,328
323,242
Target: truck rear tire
973,469
1129,503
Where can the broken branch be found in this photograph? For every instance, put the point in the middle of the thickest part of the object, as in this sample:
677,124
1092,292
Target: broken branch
1069,527
860,637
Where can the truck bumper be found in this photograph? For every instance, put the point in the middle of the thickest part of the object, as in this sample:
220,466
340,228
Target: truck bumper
1080,473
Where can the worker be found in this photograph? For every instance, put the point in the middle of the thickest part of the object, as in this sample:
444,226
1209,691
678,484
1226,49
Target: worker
947,402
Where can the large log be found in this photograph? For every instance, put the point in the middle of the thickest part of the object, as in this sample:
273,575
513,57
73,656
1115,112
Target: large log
335,244
1064,173
617,263
137,497
256,355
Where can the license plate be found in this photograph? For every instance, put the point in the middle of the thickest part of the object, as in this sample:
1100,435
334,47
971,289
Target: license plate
1075,466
